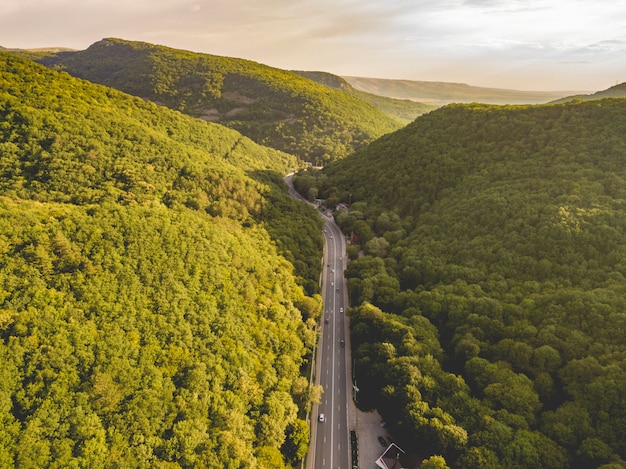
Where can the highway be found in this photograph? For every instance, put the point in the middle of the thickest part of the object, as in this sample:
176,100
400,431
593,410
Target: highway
330,443
330,447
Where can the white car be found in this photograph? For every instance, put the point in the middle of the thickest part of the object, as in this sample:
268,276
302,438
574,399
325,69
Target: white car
341,310
322,417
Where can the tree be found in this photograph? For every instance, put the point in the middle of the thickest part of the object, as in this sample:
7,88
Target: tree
296,443
312,193
269,458
594,452
434,462
479,458
377,247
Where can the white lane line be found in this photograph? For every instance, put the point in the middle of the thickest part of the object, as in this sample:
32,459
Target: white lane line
332,386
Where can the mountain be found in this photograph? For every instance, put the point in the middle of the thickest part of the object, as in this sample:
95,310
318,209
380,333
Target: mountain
403,110
37,53
617,91
442,93
149,316
274,107
487,282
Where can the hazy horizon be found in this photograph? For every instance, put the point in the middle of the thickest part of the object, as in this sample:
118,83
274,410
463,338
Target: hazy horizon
539,45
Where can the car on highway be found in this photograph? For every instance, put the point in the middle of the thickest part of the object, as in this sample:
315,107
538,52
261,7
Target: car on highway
322,418
342,343
341,310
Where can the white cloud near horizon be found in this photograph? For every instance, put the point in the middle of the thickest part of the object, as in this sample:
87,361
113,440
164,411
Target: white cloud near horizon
518,44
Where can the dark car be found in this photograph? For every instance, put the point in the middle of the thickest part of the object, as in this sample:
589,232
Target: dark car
382,441
342,343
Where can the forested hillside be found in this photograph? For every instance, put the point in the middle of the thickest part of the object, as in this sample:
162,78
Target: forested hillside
149,312
489,302
403,110
441,93
617,91
274,107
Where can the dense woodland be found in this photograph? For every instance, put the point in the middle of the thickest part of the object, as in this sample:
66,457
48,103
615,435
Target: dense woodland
487,285
159,289
273,107
403,110
150,311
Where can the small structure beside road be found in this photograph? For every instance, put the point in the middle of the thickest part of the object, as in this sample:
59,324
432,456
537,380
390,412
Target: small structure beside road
390,459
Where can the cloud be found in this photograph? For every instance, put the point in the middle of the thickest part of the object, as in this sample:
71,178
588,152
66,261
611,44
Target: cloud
445,40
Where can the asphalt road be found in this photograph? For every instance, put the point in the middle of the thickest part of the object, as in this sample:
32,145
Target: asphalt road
331,440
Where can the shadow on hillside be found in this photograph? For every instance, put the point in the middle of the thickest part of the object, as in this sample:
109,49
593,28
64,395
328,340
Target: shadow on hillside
295,228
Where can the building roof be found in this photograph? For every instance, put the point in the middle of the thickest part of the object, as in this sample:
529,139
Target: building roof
390,459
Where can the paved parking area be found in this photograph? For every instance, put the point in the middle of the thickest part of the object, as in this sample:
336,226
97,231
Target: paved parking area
368,428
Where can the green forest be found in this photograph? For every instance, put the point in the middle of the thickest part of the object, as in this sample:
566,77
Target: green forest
404,110
487,282
158,287
273,107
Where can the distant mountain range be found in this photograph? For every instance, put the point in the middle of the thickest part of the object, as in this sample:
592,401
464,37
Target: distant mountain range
442,93
617,91
401,99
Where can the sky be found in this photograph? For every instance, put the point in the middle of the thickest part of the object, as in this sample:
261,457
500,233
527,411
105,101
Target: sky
577,45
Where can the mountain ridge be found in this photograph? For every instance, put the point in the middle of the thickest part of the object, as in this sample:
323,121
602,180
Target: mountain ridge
616,91
273,107
429,93
403,109
442,93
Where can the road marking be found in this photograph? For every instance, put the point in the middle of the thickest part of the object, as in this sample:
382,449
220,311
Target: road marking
332,386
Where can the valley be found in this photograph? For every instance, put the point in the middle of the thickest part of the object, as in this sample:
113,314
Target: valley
164,293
